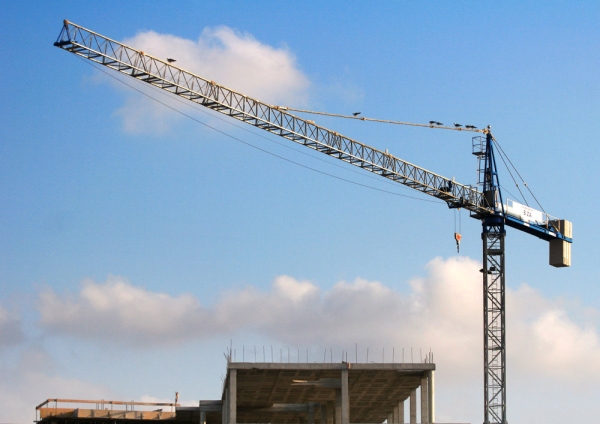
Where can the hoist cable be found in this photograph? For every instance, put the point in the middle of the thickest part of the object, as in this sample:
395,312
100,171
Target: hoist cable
506,190
256,147
522,179
249,130
285,145
510,173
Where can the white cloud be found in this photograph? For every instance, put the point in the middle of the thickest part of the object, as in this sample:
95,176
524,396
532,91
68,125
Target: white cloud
32,380
235,60
117,310
546,339
141,115
11,332
550,343
442,312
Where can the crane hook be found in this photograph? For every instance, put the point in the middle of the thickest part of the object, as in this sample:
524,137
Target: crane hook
457,237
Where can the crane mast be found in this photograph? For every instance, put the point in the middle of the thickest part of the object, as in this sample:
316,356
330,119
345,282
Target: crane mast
486,205
494,311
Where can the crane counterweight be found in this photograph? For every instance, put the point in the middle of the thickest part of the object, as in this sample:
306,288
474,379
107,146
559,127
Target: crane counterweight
560,250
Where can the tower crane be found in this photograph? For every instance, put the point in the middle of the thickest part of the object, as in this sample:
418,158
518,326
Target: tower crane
484,202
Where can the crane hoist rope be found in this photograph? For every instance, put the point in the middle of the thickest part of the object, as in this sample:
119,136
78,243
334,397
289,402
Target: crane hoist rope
487,206
432,124
504,155
268,139
513,178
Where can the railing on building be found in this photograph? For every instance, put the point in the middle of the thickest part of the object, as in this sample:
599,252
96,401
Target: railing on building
104,409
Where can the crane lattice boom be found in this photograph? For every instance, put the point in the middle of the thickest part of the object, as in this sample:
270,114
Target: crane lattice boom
159,73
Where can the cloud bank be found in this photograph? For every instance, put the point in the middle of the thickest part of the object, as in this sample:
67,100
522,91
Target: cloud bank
118,311
442,311
233,59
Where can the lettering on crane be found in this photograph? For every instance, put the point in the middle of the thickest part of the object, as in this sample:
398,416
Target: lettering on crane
524,213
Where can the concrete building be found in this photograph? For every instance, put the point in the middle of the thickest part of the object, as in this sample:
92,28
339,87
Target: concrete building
299,393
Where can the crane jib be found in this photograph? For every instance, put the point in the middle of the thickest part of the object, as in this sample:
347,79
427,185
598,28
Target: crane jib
146,68
122,58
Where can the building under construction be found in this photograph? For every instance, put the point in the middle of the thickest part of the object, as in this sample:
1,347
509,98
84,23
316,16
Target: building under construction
307,393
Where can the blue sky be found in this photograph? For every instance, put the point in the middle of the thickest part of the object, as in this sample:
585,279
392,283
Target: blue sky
136,244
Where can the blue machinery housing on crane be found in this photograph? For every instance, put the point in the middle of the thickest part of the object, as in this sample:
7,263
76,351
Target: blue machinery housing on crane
486,205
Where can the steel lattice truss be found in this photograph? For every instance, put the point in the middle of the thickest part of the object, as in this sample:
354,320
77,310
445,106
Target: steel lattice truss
494,349
159,73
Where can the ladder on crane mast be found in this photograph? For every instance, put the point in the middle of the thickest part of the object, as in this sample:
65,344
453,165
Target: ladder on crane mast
486,205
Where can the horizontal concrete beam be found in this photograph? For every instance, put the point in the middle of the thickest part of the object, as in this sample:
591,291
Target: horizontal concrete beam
331,383
329,366
281,407
211,406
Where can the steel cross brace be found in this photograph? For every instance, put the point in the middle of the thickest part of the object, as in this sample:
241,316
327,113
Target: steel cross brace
494,330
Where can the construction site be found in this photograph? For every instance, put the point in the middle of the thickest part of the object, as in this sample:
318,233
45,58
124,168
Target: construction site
259,392
345,392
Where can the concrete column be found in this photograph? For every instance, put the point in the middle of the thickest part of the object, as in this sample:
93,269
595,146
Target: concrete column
311,413
330,412
395,415
225,408
424,401
413,406
338,406
232,403
322,413
345,398
431,391
400,412
390,418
